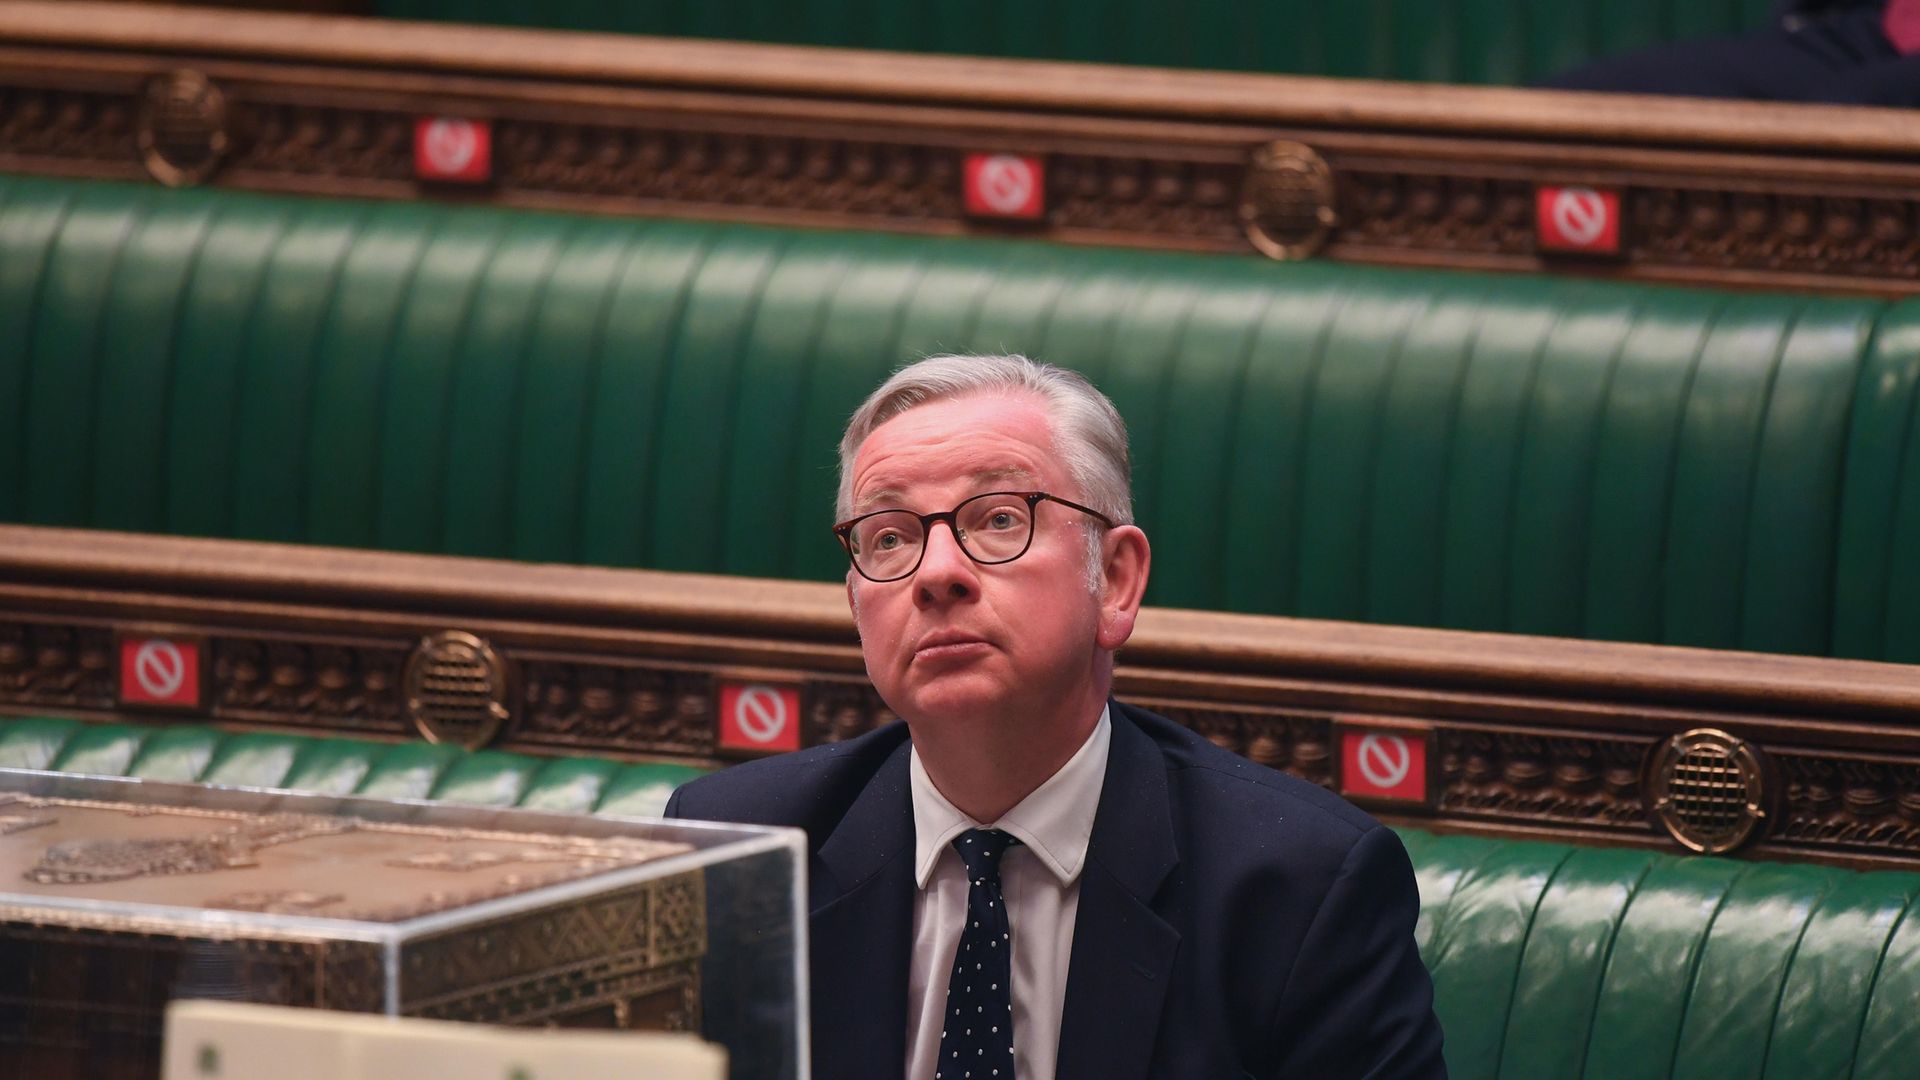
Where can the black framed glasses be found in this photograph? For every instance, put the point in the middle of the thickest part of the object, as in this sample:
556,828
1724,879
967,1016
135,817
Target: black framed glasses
997,527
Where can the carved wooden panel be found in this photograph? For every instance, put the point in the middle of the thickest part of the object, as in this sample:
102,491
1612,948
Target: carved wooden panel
1726,192
1850,802
1544,777
1527,736
321,143
69,125
629,708
1794,233
342,687
1468,214
56,666
838,710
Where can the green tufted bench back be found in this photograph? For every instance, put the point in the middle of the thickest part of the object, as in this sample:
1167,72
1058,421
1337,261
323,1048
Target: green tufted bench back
1548,960
192,754
1558,961
1542,456
1478,41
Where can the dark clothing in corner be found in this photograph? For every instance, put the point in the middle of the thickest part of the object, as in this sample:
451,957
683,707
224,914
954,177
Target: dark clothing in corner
1822,51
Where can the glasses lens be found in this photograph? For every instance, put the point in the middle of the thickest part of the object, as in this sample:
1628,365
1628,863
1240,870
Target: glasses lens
996,527
886,545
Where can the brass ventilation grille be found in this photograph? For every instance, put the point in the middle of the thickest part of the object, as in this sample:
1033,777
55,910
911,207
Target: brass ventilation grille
456,690
1286,203
182,128
1708,789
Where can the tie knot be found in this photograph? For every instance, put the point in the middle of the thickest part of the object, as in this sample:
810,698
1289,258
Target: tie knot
981,849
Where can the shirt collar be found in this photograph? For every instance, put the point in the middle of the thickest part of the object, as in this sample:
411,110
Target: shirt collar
1055,821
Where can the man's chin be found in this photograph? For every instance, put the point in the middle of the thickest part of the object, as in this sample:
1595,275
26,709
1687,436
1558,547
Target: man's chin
953,699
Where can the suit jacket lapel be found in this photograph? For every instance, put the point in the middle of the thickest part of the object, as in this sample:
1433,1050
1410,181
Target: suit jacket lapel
861,898
1122,950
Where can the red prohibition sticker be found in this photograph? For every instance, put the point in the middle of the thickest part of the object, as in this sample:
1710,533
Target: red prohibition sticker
159,671
1005,186
452,150
1380,764
759,718
1578,219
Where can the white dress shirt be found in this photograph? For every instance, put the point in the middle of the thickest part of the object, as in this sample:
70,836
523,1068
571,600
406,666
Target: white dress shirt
1040,879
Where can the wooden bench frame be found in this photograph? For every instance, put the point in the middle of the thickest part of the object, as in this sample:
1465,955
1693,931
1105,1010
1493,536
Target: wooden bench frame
1525,737
1725,193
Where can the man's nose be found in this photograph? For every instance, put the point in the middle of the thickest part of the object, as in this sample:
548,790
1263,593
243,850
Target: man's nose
945,574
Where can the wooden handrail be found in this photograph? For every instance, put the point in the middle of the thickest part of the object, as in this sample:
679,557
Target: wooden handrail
970,82
1521,736
1167,639
1719,192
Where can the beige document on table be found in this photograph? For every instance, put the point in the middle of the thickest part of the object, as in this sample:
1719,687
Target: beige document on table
213,1040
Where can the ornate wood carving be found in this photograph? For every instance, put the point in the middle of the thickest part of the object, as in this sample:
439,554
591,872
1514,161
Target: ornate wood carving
1726,192
1530,736
1534,777
343,687
56,666
1465,214
839,710
1850,802
74,126
319,142
585,707
767,171
1789,233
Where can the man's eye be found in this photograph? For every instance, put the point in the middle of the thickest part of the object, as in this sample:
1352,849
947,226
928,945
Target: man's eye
1001,520
887,541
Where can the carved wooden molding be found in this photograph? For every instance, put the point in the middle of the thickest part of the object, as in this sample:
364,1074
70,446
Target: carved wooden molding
1712,192
1524,736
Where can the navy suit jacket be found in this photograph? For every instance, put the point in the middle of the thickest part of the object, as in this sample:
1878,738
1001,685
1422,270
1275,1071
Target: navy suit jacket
1234,921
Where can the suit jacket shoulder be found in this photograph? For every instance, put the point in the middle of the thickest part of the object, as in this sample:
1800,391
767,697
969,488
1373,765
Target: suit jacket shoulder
1205,770
1295,911
810,789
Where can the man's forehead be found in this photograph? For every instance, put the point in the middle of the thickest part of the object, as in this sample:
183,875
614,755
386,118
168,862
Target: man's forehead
885,492
974,443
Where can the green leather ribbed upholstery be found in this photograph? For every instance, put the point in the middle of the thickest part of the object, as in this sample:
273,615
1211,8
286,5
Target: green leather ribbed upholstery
1548,960
1557,961
1535,455
190,753
1878,578
1479,41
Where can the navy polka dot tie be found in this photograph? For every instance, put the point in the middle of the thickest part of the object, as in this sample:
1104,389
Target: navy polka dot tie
977,1041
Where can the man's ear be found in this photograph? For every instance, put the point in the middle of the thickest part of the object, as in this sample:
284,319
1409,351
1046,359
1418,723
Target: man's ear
853,604
1125,558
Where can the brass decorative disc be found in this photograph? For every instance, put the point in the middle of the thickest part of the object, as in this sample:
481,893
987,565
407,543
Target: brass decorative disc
182,129
1287,201
1708,789
456,690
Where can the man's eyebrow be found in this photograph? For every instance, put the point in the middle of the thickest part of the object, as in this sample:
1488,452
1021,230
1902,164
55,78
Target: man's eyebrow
876,499
888,498
1025,478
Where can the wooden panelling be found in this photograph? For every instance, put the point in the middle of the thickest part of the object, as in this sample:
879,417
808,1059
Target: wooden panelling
1723,192
1526,736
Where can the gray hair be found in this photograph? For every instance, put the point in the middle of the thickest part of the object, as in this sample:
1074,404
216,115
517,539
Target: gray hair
1087,431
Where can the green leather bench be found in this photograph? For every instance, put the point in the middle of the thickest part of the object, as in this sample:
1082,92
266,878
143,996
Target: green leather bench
1541,456
416,770
1549,961
1479,41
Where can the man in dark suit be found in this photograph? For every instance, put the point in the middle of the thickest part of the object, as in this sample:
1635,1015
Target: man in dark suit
1025,878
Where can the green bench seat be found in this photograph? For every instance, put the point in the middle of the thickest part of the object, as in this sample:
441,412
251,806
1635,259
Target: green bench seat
1541,456
1549,960
194,754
